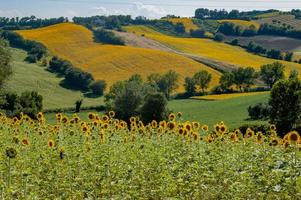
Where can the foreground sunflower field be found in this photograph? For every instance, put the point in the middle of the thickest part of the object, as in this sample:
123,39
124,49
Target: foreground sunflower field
106,158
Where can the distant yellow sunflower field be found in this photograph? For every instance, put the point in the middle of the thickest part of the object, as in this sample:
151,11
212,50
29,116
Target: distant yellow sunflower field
214,50
187,22
111,63
243,23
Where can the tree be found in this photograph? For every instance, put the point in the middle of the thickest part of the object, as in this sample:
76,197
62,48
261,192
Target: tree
226,80
294,74
5,60
78,105
198,33
180,28
289,56
169,83
98,87
154,107
271,73
202,79
235,42
285,103
244,77
190,86
218,37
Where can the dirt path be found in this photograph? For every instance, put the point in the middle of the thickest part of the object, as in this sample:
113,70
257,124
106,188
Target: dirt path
143,42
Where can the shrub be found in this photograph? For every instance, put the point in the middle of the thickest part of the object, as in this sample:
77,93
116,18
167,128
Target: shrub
259,111
198,33
154,107
78,78
31,58
107,37
98,87
218,37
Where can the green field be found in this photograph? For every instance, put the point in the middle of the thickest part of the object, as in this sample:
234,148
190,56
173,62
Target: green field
34,77
232,111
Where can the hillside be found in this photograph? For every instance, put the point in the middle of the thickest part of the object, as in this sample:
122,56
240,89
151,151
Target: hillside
243,23
210,49
111,63
187,22
34,77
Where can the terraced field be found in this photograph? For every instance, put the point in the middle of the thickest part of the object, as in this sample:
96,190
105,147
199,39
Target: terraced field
187,22
108,62
282,19
243,23
210,49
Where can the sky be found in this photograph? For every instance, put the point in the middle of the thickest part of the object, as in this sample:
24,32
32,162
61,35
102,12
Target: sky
147,8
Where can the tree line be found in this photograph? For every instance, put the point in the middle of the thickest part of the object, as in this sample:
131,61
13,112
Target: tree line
35,50
17,23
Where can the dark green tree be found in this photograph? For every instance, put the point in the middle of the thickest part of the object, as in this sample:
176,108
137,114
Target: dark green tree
98,87
202,79
271,73
226,80
5,60
244,77
285,103
190,86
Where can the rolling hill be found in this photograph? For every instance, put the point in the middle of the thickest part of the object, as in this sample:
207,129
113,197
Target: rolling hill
32,77
111,63
210,49
243,23
187,22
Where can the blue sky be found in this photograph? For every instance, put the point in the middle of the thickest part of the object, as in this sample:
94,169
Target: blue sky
148,8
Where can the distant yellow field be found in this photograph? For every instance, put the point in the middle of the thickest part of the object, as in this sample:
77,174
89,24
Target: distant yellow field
226,96
187,22
213,50
111,63
241,22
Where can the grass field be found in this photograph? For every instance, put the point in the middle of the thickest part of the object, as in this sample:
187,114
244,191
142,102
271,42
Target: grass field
111,63
233,111
282,19
187,22
243,23
208,48
268,15
215,97
34,77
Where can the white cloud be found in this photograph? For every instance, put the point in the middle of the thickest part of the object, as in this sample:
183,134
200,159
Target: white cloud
149,11
10,13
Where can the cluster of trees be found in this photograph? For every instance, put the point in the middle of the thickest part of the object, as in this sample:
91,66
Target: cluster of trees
296,13
273,53
76,77
107,37
229,28
5,59
28,22
204,13
114,22
35,50
270,29
29,103
134,97
199,81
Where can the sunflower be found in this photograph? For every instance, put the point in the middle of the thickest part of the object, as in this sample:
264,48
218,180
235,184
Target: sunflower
195,136
154,124
85,128
91,116
40,116
11,152
112,114
105,118
274,142
205,128
273,127
105,126
133,119
188,126
259,137
249,133
179,114
181,131
233,137
162,124
210,139
196,125
171,116
50,143
171,125
25,142
65,120
293,137
58,117
286,144
217,128
223,129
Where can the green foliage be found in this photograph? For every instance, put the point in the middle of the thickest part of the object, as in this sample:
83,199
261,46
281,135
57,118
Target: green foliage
154,108
180,28
271,73
198,33
5,62
190,86
226,81
98,87
202,79
218,37
259,111
244,77
294,74
107,37
29,103
285,102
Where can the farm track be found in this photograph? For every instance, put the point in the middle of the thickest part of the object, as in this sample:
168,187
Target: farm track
143,42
